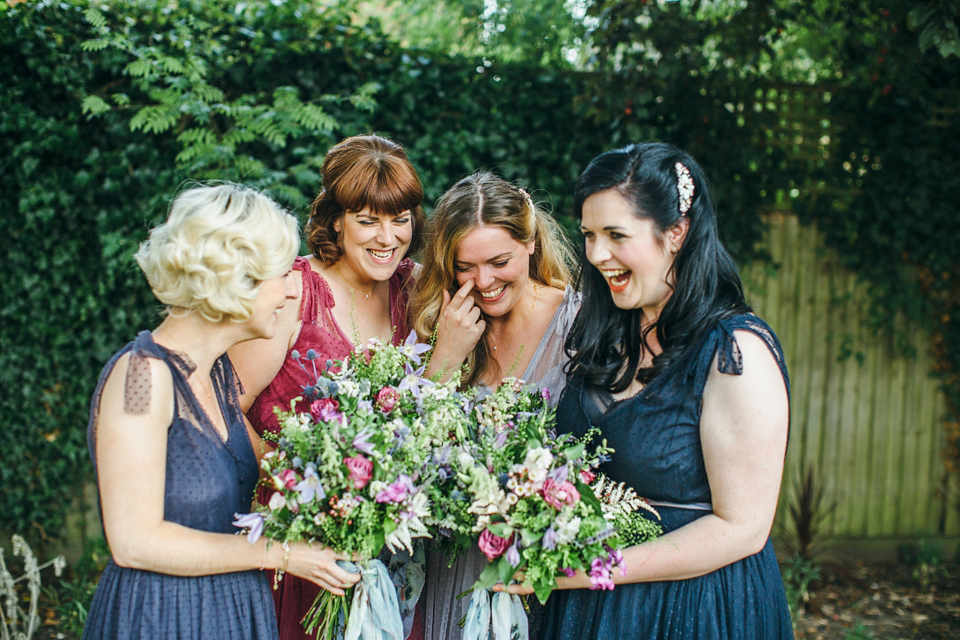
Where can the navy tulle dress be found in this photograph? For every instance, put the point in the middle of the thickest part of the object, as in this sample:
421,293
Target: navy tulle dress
207,481
657,441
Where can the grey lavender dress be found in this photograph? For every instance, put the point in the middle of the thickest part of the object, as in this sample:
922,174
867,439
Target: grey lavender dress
207,481
442,609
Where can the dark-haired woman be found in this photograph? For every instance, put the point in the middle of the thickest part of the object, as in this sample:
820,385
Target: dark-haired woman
354,286
691,390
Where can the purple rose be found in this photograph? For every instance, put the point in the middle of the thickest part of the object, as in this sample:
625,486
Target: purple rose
325,409
493,545
361,470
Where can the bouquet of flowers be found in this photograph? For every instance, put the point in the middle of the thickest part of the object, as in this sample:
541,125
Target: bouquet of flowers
354,472
523,496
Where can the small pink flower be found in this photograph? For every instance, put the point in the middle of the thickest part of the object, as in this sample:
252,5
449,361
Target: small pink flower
493,545
587,476
288,477
325,409
559,494
361,470
387,398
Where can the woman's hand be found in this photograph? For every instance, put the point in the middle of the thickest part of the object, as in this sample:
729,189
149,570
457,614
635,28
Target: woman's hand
319,565
578,580
459,328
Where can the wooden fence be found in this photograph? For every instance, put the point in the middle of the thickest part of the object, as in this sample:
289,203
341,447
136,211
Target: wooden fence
865,416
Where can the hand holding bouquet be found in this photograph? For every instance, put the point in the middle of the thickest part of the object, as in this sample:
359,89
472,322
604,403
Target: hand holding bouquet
353,473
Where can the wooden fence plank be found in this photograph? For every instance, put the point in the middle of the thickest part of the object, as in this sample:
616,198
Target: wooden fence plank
866,417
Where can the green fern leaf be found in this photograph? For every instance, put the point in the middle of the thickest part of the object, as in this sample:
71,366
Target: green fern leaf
93,106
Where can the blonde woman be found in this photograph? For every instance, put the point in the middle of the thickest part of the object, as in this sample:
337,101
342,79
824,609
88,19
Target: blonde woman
353,286
495,288
173,459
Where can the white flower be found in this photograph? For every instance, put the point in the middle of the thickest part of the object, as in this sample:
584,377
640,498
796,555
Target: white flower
276,501
566,527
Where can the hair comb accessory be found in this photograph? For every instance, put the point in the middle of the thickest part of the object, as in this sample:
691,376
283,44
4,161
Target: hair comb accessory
526,196
684,187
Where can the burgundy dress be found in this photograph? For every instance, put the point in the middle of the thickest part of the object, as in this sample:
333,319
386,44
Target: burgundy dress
321,333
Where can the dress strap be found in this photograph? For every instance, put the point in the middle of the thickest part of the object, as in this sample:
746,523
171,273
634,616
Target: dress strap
315,291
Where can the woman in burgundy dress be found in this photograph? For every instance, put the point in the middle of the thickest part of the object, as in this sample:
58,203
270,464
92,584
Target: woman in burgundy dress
354,286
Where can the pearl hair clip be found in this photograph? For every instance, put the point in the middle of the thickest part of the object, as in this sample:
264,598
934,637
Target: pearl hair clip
684,187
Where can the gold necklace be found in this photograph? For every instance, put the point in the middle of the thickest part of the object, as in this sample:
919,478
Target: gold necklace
523,320
366,294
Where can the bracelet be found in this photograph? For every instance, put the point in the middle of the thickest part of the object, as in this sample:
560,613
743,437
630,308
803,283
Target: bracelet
263,557
278,573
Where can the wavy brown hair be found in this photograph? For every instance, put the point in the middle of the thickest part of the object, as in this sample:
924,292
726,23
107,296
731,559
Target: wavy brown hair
359,172
484,199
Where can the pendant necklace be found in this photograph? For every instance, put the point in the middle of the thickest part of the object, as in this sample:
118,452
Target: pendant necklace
366,294
523,320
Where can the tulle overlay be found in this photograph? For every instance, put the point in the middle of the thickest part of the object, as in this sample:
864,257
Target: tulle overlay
145,605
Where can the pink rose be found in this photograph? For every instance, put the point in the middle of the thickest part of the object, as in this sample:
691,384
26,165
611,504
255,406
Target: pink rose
325,409
361,470
288,477
493,545
559,494
587,476
387,398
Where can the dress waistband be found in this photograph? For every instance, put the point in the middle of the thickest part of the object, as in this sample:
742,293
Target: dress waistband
697,506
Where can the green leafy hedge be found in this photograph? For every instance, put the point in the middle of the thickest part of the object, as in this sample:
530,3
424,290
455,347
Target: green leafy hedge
79,189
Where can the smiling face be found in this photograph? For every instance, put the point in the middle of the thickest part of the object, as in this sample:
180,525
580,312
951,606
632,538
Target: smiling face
272,295
499,266
633,258
374,244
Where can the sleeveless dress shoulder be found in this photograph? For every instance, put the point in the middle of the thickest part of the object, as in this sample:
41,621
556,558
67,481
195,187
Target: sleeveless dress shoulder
320,332
444,582
208,479
656,437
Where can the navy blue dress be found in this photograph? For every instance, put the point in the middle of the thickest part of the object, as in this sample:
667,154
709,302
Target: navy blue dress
656,435
207,481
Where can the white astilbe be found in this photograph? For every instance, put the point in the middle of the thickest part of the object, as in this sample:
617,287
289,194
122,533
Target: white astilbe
11,609
618,499
410,526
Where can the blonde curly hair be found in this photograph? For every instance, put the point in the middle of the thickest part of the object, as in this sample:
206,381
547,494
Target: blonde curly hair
218,244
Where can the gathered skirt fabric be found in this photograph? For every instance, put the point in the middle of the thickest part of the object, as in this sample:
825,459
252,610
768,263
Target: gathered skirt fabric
143,605
742,601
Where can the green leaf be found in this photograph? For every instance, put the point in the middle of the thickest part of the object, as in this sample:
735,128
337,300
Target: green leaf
139,68
97,44
94,106
505,570
500,529
542,591
488,577
93,16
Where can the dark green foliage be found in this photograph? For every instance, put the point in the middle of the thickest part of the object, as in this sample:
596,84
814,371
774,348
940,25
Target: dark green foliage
79,192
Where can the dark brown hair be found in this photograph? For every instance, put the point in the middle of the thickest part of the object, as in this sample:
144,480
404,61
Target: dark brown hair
359,172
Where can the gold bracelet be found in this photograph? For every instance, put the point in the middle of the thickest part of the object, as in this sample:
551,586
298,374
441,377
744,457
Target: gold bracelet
278,573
